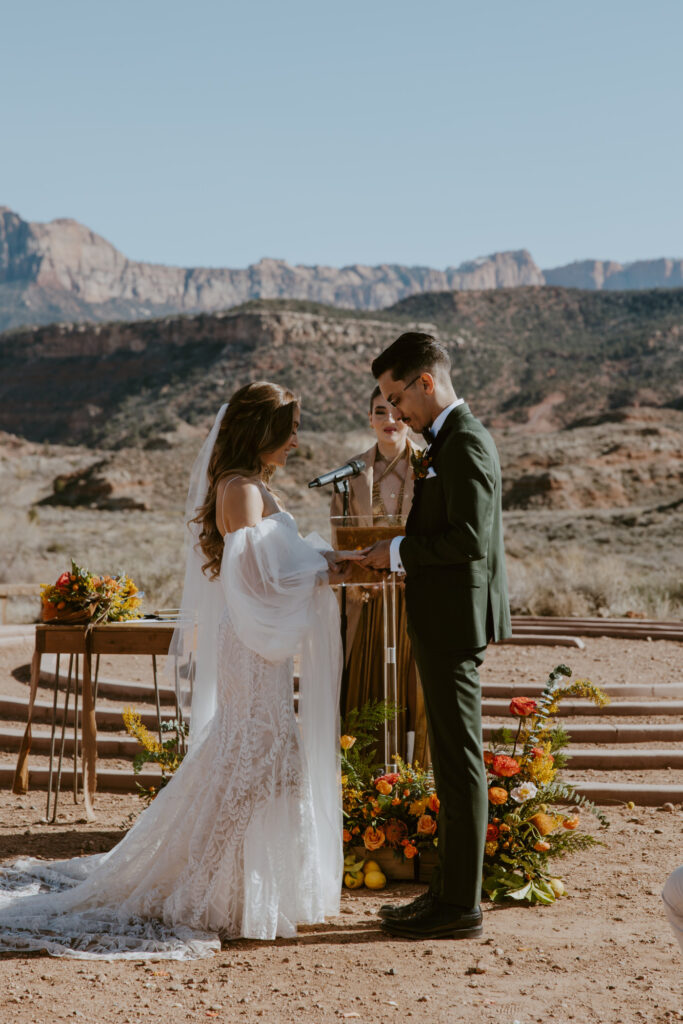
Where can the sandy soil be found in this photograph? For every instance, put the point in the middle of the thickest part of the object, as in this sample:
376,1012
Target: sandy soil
604,955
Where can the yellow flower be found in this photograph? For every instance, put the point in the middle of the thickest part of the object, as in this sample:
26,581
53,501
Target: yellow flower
490,849
347,742
418,807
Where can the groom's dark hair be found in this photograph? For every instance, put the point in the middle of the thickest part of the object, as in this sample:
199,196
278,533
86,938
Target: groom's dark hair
413,353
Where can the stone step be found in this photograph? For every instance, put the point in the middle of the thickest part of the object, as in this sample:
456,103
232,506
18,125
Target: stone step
493,706
610,759
121,780
625,732
126,747
643,794
119,746
14,709
674,691
114,689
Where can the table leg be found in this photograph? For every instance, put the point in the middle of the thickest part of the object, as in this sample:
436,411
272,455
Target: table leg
156,694
52,740
75,756
51,820
20,784
89,744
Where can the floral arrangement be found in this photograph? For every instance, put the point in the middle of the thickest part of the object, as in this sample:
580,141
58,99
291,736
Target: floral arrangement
80,596
526,828
420,461
167,754
397,810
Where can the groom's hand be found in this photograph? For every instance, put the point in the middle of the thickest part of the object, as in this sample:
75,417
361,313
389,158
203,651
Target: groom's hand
377,557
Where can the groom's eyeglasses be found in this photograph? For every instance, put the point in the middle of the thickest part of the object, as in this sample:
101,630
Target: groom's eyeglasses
394,400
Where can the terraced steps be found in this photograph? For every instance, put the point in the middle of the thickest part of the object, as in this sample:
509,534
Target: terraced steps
632,749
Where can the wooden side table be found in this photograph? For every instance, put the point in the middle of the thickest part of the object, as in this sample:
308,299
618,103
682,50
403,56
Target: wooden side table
139,636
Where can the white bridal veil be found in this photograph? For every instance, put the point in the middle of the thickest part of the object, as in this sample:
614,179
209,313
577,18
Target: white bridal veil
245,840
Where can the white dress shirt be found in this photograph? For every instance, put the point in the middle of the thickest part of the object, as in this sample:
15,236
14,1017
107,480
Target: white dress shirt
394,554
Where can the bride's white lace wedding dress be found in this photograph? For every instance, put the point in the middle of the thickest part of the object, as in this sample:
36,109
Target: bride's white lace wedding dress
245,840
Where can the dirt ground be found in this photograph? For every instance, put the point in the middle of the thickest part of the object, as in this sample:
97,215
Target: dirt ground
603,955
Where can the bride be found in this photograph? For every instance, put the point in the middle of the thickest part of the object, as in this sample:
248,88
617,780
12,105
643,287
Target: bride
245,840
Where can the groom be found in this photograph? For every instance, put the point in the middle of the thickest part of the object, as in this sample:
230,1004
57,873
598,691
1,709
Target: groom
456,599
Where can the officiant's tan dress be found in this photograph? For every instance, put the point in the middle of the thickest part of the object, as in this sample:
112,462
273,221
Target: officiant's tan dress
365,632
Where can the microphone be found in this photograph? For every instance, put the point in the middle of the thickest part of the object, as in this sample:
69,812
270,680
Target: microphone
352,468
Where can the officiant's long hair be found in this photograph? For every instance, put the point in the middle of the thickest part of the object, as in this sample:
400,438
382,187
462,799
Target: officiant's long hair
259,419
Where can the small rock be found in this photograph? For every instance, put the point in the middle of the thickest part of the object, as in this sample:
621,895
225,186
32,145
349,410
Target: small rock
669,808
392,970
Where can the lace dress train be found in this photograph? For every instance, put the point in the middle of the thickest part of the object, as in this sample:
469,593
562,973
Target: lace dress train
243,841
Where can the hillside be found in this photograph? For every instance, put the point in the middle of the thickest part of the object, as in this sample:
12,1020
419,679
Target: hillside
532,358
64,271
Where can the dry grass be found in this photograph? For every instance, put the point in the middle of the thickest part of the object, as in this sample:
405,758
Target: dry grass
576,580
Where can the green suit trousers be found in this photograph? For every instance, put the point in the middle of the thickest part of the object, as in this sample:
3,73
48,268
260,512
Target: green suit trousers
452,695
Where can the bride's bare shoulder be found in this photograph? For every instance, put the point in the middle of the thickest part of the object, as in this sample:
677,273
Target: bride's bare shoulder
239,502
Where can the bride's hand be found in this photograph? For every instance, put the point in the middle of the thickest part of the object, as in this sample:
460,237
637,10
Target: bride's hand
334,557
339,572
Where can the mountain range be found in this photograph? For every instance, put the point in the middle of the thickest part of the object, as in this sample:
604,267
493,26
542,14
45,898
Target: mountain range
529,358
62,271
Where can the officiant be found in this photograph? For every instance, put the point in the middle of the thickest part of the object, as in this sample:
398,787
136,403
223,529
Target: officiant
381,492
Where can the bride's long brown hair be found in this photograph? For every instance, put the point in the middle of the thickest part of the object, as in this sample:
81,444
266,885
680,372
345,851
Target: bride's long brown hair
259,419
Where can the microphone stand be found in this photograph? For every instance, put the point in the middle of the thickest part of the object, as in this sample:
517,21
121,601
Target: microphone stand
342,487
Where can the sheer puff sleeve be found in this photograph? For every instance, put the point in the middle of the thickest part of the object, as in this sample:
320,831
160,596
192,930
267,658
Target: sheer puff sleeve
275,589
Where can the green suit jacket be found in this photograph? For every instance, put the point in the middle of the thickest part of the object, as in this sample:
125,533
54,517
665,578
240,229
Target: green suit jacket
453,555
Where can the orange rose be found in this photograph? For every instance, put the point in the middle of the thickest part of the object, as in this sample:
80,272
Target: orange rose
383,787
541,846
498,795
522,706
346,836
409,851
488,757
426,826
434,803
374,838
505,766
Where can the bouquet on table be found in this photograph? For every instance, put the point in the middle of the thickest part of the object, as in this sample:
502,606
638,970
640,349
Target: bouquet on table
80,597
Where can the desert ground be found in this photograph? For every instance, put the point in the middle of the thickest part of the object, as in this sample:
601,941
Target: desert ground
603,955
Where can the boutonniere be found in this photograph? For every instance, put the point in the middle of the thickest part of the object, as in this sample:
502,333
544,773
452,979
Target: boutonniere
421,462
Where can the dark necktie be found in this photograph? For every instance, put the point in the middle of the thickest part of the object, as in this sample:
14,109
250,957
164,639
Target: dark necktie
428,434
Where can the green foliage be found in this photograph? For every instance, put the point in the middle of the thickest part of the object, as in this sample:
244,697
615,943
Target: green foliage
359,763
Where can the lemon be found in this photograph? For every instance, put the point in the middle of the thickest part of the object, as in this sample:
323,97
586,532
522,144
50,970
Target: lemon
371,865
353,881
557,885
375,880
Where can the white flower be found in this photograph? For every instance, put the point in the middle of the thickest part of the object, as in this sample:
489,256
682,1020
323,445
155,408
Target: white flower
524,792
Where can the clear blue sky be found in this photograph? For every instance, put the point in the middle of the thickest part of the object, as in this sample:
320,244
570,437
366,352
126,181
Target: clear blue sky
214,133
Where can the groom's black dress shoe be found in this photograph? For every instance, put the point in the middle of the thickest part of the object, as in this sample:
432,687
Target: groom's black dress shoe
437,920
388,912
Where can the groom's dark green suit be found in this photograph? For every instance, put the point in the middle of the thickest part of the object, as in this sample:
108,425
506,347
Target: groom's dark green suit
456,600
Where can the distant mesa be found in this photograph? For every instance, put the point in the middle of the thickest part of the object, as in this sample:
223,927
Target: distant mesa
63,271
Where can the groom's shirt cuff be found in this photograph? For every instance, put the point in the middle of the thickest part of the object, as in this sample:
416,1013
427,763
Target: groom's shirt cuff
395,562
